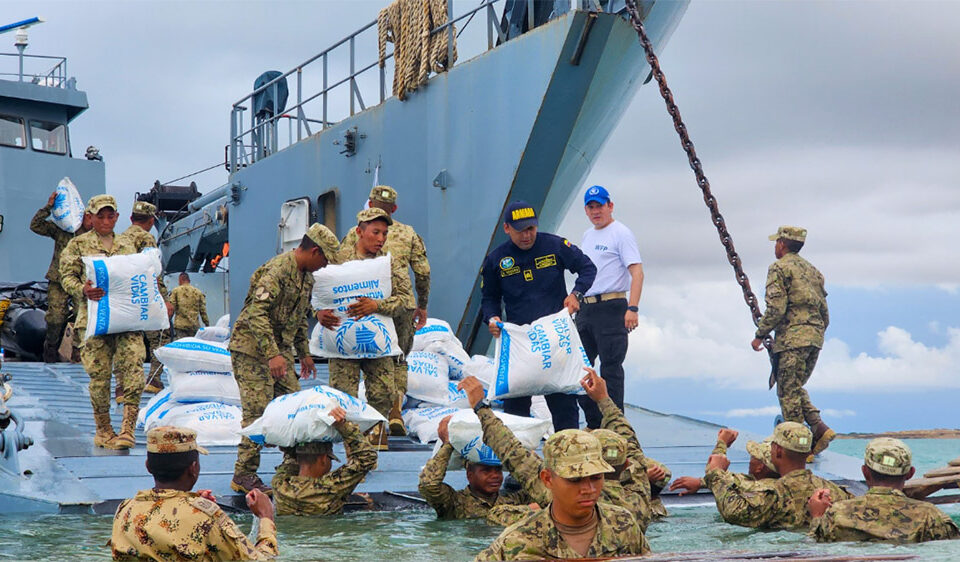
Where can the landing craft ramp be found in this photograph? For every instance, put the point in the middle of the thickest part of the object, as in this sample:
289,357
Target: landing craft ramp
64,473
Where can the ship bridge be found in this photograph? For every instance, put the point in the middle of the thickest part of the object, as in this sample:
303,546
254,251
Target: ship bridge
38,101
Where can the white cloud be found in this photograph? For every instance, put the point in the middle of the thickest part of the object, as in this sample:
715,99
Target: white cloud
702,331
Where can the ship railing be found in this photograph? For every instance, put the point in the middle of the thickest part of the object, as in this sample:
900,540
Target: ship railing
36,69
254,137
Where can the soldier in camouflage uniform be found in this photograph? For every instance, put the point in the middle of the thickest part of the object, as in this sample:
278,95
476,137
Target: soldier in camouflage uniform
271,327
405,246
482,493
169,522
525,465
574,524
379,374
310,488
189,308
796,310
780,504
102,355
884,513
141,221
57,299
761,468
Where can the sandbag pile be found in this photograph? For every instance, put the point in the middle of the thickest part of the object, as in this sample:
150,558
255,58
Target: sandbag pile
202,393
132,301
335,288
304,416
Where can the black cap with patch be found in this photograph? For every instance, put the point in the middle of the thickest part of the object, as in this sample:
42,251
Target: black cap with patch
520,215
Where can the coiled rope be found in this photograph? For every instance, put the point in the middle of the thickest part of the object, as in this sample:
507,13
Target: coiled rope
416,52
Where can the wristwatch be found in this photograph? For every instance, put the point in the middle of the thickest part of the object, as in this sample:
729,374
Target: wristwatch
633,308
579,296
480,405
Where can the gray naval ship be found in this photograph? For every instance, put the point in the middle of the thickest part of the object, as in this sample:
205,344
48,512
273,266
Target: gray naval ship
523,118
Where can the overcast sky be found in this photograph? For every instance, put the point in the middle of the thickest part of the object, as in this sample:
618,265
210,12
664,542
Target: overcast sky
841,117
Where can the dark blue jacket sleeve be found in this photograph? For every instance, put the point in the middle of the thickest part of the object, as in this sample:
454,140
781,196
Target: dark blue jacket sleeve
489,291
578,262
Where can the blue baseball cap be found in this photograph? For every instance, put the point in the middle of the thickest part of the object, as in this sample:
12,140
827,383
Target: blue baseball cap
596,193
520,215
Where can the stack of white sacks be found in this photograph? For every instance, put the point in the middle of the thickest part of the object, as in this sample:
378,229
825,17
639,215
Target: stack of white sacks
202,393
543,357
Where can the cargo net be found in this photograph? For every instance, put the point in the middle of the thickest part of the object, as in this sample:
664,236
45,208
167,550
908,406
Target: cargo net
408,24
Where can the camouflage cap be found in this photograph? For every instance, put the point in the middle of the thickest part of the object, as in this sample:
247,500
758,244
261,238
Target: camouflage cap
372,213
103,201
171,439
761,452
793,436
614,447
383,194
888,456
144,208
790,233
317,448
574,453
327,240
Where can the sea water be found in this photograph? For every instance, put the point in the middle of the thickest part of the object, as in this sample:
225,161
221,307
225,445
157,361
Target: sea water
417,535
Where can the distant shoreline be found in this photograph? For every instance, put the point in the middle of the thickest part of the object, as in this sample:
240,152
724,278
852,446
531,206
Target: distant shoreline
907,434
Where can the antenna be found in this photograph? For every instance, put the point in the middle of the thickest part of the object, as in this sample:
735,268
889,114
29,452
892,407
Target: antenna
21,38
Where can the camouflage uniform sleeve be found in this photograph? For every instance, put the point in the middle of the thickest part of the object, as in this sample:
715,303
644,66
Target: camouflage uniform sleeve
776,302
505,515
301,340
614,420
824,312
71,271
720,448
939,527
258,318
361,460
401,289
229,542
521,462
441,497
203,309
823,528
496,550
739,501
421,270
40,225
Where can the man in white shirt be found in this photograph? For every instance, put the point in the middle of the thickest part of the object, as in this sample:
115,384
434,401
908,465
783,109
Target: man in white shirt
605,316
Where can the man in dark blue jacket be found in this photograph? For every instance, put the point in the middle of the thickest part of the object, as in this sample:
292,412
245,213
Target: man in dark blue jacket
525,276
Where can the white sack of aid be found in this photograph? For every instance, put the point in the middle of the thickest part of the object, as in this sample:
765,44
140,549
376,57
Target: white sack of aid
424,423
543,357
215,423
305,416
68,207
192,354
204,386
428,380
338,286
466,435
433,331
132,301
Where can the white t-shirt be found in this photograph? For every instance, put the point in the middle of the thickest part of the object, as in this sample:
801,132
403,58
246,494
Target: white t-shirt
612,249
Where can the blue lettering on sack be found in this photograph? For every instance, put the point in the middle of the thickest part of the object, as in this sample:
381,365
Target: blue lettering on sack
420,367
197,346
562,328
503,368
539,343
139,295
103,305
434,328
369,284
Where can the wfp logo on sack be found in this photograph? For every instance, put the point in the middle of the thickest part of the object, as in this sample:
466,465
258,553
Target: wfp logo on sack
365,339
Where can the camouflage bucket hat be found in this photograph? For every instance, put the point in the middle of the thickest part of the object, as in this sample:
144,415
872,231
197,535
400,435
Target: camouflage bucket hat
790,233
144,208
323,237
888,456
171,439
613,446
793,436
98,202
574,453
372,213
383,194
317,448
761,452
